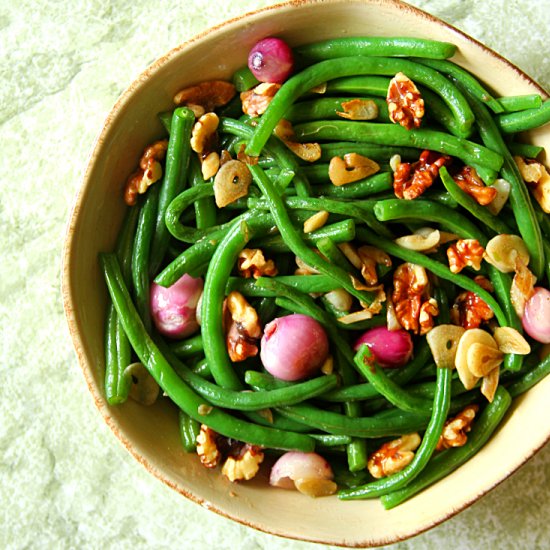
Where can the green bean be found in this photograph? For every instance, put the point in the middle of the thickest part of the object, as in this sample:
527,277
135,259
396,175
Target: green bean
520,200
529,379
467,81
117,348
374,152
436,268
376,46
177,160
423,454
448,461
514,103
205,208
470,204
333,254
175,388
526,150
329,107
339,232
347,66
249,401
294,240
328,440
188,347
359,85
511,123
166,119
189,430
308,284
202,369
243,79
378,183
142,252
386,387
394,134
221,265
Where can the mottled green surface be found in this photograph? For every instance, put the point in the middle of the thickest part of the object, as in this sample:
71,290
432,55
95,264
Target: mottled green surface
65,481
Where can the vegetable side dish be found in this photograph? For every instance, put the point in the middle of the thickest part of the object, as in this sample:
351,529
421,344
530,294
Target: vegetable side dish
336,266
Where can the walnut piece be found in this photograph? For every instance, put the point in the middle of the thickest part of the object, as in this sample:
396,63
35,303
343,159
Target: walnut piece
207,447
208,94
536,175
256,101
465,253
204,133
468,180
353,167
243,327
393,456
414,308
455,429
252,263
410,180
150,171
309,152
405,104
243,466
359,109
470,311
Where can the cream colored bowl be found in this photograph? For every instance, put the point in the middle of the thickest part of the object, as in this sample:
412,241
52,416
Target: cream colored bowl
151,434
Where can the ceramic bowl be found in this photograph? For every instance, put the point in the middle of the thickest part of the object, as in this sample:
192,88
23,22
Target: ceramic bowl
151,434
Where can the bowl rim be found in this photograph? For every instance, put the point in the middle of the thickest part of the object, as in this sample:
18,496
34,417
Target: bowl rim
68,252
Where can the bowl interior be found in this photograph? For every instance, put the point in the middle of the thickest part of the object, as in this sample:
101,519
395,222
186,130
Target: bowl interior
151,434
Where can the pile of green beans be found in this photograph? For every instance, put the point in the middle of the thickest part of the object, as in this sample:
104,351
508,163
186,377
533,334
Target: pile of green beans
176,229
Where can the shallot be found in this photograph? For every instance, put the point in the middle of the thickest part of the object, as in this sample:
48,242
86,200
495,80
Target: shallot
391,348
271,60
536,317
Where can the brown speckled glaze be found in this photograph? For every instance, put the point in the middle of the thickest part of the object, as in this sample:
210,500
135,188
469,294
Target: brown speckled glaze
151,434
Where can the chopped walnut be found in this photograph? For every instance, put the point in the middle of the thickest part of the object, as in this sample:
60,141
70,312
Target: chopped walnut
536,175
252,263
410,180
208,94
405,104
353,167
470,311
414,308
468,180
204,133
359,109
243,327
455,429
393,456
150,171
207,447
309,152
245,465
256,101
464,253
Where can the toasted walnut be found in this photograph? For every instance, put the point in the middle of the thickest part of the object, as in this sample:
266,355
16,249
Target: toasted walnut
393,456
468,180
256,101
411,180
309,152
318,220
150,171
208,94
245,465
231,182
455,429
210,165
470,311
414,308
243,327
353,167
207,447
536,174
465,253
405,104
225,156
204,133
523,286
359,109
252,263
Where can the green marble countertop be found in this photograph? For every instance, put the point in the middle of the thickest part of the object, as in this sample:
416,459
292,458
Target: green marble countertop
65,481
